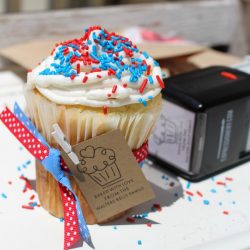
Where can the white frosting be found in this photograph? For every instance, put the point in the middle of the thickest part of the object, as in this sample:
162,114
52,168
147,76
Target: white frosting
96,92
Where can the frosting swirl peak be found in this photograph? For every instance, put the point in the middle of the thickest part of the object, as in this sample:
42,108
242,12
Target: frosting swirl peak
99,69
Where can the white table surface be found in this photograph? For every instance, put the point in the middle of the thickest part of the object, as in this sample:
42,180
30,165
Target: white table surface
183,223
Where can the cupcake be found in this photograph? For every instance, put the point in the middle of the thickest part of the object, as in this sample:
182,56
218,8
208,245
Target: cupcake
90,86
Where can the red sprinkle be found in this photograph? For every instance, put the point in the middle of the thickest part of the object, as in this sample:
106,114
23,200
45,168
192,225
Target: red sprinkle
105,110
226,212
199,193
143,86
221,183
27,183
29,70
130,219
72,77
109,95
148,69
96,70
125,85
161,83
149,224
78,68
157,206
189,193
111,72
98,76
27,207
85,79
9,182
228,75
114,89
229,179
32,197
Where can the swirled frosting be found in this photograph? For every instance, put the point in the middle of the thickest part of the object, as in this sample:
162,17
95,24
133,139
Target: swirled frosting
99,69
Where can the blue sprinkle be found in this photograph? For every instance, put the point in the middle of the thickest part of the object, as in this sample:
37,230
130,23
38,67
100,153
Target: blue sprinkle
139,242
144,102
24,166
145,54
212,179
220,203
94,56
33,204
114,227
18,168
153,209
156,63
234,202
206,202
189,198
4,195
213,190
188,185
20,148
150,79
94,50
61,219
229,190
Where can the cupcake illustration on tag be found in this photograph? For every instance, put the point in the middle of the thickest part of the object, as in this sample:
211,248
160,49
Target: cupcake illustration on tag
166,131
99,164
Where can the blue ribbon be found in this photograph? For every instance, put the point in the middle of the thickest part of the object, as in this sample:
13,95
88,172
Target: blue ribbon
52,165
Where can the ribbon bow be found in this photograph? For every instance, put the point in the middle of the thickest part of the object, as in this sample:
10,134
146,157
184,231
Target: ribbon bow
75,227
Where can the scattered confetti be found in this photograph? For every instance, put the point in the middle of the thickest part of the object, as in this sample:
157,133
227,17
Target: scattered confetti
4,195
171,184
32,197
27,207
199,193
221,183
206,202
164,177
140,216
157,207
189,193
130,219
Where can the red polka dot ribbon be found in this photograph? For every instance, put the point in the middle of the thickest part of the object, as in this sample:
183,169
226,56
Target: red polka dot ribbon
141,153
40,152
71,227
29,141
